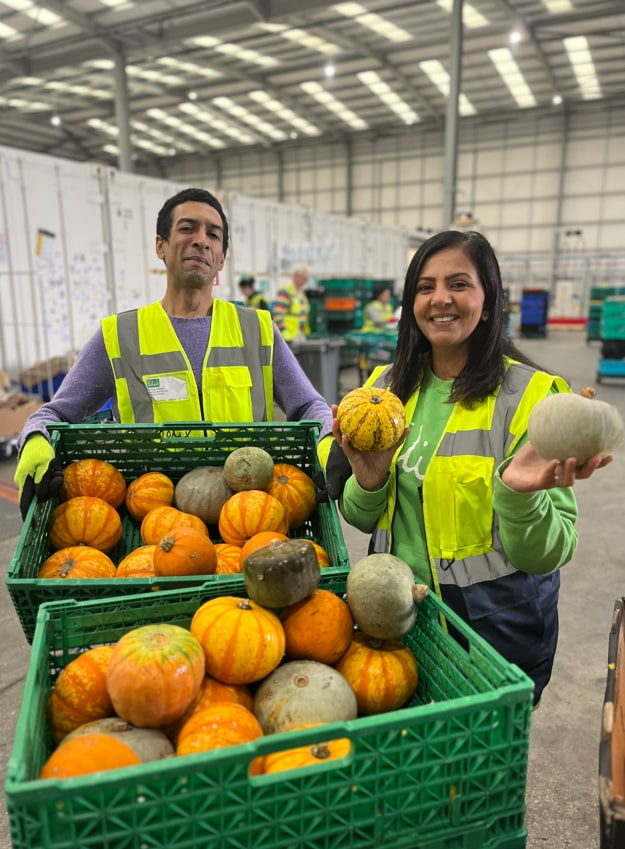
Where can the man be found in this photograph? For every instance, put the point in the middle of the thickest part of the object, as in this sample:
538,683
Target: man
251,297
187,357
291,308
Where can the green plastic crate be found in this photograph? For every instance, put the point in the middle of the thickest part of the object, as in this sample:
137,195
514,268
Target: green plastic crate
172,449
447,772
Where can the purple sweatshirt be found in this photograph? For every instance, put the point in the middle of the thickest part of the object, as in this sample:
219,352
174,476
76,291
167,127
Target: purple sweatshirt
89,384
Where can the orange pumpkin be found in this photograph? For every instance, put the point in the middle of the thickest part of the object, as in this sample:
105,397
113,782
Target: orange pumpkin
305,756
372,419
154,674
88,753
322,555
94,477
259,540
242,641
296,492
152,489
159,521
212,691
79,694
320,627
217,726
382,673
228,559
185,551
85,520
77,561
249,512
137,564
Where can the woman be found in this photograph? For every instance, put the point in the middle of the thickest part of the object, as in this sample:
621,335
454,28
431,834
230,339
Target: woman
463,498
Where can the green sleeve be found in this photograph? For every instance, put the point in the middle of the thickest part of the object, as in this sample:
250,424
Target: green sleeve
537,529
360,508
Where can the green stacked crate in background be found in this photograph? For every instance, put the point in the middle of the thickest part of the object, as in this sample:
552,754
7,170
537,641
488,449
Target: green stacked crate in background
598,295
613,317
355,290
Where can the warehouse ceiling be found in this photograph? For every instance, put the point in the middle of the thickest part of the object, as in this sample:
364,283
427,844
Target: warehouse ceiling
197,78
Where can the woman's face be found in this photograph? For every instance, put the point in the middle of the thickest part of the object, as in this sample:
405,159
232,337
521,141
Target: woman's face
448,306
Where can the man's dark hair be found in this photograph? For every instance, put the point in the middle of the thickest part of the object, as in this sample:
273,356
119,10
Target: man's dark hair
163,220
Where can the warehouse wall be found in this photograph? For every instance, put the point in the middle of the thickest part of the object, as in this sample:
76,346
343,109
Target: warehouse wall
525,179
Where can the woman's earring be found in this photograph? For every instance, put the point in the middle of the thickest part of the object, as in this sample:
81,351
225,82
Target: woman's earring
484,315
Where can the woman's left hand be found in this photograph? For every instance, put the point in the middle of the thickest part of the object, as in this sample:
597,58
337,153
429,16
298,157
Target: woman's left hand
529,472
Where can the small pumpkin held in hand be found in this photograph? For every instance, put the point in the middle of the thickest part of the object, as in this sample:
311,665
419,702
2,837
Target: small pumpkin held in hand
570,425
372,419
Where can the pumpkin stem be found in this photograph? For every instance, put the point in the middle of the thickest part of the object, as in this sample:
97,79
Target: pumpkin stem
245,604
588,392
320,751
419,592
167,543
375,399
375,642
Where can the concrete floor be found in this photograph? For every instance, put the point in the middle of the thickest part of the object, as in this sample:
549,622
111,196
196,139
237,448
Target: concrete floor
562,792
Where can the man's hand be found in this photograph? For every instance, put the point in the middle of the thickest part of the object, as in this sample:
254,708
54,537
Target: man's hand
37,472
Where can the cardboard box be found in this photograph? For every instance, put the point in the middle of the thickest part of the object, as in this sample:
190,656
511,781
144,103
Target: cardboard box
14,410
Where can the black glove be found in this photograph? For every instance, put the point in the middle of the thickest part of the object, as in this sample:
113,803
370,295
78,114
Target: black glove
338,470
48,487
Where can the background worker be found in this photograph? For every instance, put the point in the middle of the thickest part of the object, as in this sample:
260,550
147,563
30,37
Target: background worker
252,298
291,308
379,311
463,497
188,357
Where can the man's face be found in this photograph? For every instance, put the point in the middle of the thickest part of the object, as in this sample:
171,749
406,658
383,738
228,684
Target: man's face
193,253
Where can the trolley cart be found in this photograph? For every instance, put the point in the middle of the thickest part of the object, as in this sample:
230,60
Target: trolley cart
372,349
610,368
612,743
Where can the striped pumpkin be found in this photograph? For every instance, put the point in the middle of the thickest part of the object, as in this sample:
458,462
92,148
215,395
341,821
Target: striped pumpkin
250,512
242,641
94,477
296,492
85,520
372,419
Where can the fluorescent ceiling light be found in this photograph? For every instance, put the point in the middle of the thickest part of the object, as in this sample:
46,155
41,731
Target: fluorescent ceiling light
283,112
99,64
118,4
509,71
439,76
182,127
243,114
234,51
188,67
583,66
103,127
26,105
388,97
305,39
38,13
369,20
471,18
333,105
216,122
7,32
556,6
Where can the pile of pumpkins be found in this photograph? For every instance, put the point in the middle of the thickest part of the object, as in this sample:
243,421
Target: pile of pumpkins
290,655
247,496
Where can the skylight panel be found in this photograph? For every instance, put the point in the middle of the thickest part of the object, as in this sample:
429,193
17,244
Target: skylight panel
234,50
369,20
284,112
41,15
388,97
206,116
557,6
471,18
182,127
583,66
7,32
439,76
333,105
243,114
188,67
510,73
300,36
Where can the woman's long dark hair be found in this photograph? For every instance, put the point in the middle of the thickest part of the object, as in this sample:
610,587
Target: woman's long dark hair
489,342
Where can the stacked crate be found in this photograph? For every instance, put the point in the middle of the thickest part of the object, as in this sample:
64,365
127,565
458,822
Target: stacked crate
612,362
598,295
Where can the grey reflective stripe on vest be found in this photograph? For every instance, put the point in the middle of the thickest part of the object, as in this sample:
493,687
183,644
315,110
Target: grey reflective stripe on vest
132,365
254,355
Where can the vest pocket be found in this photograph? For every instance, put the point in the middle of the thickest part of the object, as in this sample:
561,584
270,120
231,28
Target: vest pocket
230,396
459,506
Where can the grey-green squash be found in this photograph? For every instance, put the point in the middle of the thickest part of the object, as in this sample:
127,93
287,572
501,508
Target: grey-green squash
571,425
203,492
383,597
281,573
248,467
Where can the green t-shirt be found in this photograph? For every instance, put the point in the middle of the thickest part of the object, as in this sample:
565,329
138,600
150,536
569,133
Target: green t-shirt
426,430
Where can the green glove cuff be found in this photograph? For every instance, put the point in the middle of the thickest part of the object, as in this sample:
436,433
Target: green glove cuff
35,457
